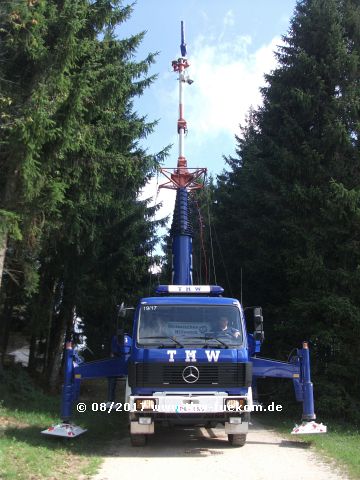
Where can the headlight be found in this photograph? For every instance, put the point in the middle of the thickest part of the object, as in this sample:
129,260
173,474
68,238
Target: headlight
233,404
144,404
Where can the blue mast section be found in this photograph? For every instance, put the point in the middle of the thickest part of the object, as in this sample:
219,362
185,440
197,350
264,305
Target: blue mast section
181,233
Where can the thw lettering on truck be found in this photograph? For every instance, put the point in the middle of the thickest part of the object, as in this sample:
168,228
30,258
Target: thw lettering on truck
190,355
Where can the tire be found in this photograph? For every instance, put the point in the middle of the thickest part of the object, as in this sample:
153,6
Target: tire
237,440
138,440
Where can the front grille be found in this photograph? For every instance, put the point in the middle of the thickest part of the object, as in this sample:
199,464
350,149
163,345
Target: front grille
215,375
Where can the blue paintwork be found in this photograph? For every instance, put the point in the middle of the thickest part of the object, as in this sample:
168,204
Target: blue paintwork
74,373
108,367
154,355
182,260
181,233
254,345
160,355
68,389
273,368
298,369
308,394
121,347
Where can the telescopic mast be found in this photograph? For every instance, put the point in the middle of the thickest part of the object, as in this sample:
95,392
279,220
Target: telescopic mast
183,180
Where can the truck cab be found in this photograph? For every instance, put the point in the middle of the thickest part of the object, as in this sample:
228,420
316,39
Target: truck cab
189,363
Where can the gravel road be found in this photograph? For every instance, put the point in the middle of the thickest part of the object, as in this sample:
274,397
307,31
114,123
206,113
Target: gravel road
200,453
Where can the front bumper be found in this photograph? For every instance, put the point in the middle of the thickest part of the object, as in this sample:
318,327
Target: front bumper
187,404
191,409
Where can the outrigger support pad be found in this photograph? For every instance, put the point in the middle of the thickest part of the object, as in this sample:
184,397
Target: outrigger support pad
67,430
309,428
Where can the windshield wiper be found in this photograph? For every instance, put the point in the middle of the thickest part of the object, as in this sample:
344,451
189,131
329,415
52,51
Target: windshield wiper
162,338
209,338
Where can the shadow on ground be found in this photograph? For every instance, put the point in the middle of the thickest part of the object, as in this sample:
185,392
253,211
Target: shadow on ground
113,440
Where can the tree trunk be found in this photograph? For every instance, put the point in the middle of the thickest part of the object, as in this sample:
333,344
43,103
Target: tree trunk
56,360
41,312
60,326
5,320
50,316
7,201
3,247
6,329
32,353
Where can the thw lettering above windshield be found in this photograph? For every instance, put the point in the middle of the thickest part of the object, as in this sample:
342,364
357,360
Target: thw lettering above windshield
190,355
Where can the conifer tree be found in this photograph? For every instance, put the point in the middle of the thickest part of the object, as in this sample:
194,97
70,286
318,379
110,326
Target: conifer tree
291,197
74,163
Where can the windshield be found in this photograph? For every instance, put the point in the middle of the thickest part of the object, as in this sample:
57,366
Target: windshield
184,325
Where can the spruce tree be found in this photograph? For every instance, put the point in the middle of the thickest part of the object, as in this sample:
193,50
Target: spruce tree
291,197
79,165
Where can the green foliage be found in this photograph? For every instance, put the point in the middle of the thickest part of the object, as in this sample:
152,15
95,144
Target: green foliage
9,223
73,164
18,385
288,208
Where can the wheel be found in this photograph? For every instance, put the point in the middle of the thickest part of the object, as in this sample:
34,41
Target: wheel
237,440
138,440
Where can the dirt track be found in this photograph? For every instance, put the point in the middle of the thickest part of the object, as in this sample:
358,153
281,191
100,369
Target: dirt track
199,453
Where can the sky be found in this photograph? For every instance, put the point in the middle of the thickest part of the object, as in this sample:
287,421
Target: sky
230,46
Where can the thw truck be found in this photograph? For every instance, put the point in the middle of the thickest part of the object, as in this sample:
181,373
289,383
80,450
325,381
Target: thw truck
190,359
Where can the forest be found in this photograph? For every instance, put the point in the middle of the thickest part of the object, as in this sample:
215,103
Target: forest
281,224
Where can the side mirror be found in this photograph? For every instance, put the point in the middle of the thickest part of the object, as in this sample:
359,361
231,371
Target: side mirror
121,310
258,324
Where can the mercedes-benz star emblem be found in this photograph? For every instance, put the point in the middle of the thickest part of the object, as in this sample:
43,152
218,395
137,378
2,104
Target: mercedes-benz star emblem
191,374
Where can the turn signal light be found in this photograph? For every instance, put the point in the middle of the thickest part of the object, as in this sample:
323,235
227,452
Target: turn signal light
233,404
144,404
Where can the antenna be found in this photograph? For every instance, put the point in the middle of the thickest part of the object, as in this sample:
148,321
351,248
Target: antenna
183,44
182,176
183,180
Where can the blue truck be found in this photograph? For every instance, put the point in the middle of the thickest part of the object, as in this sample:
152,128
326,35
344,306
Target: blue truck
190,359
184,368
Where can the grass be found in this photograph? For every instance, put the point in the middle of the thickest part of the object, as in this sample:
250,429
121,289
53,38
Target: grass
341,443
25,454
